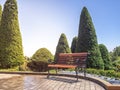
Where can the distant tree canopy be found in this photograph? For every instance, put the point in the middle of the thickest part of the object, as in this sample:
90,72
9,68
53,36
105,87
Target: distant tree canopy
62,46
11,50
116,51
115,54
74,45
105,57
115,57
42,54
87,41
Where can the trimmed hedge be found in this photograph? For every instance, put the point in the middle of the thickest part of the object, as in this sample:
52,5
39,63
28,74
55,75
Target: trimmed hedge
108,73
38,66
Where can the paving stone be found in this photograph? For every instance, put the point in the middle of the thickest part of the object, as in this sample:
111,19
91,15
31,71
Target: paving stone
40,82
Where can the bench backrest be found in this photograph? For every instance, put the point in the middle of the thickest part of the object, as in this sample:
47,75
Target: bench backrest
70,58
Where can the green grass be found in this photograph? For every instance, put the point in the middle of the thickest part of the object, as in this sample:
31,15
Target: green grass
13,69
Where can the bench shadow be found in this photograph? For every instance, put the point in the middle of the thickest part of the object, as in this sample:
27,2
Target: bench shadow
64,79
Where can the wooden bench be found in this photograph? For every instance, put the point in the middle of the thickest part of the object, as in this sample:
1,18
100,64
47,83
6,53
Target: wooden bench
70,60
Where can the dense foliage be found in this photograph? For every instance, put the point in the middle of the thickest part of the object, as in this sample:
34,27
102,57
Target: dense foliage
62,46
87,41
115,57
37,66
11,50
0,13
74,45
42,54
108,73
39,60
116,51
105,57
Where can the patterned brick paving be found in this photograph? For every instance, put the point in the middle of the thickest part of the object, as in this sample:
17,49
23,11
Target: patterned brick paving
40,82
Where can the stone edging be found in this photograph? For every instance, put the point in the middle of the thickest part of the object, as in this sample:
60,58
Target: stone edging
101,82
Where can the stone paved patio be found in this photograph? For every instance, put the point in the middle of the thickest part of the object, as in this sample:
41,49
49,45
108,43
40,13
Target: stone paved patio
40,82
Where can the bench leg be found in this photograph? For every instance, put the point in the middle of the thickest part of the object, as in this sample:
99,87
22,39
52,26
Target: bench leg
48,73
84,72
76,70
56,69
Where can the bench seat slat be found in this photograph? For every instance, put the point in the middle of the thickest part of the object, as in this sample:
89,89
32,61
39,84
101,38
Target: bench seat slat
62,66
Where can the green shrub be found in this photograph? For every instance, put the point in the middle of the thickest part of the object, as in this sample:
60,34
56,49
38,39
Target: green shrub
108,73
105,57
39,60
24,66
91,71
0,13
42,54
38,66
102,72
117,75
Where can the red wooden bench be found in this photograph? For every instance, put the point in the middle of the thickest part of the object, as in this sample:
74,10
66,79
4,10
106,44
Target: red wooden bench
70,60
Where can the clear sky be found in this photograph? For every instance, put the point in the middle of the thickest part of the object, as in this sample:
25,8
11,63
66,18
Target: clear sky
43,21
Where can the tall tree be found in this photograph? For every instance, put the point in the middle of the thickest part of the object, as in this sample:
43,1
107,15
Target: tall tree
11,50
74,45
87,41
105,57
0,13
62,46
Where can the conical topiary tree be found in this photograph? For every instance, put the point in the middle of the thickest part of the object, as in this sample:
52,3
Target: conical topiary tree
11,50
105,57
0,13
62,46
87,41
74,45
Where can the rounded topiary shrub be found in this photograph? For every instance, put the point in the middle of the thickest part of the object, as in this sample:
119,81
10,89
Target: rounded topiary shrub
39,60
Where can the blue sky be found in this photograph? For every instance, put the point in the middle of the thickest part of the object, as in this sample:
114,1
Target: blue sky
43,21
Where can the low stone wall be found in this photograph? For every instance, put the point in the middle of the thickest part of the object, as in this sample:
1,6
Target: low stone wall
113,87
105,84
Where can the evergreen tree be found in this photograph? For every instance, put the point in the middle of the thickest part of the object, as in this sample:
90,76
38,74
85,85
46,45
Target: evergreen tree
87,41
105,57
11,50
62,46
74,45
0,13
